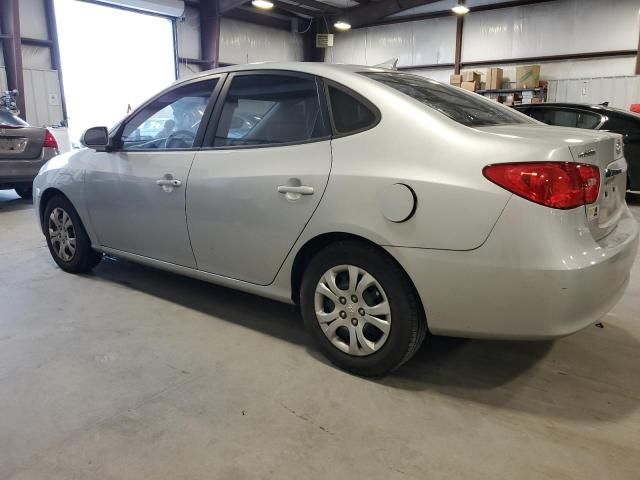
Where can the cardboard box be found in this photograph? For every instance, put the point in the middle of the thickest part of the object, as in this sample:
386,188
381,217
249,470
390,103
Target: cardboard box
528,76
471,86
470,76
455,80
494,78
537,100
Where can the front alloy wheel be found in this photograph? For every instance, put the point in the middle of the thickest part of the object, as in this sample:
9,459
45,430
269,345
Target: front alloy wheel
62,234
66,237
353,310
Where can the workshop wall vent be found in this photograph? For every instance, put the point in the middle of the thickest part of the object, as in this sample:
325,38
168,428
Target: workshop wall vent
324,40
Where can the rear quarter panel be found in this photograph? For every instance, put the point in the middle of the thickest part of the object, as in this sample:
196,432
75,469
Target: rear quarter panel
441,160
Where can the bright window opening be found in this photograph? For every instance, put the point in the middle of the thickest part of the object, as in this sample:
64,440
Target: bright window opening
112,60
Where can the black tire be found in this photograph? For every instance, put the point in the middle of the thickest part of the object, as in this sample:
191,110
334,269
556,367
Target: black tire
24,191
84,258
408,322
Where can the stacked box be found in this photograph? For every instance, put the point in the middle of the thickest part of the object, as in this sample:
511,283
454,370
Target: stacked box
471,76
528,76
494,78
471,86
455,80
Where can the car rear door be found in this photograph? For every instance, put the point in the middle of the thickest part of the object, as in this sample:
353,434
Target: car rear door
260,175
136,194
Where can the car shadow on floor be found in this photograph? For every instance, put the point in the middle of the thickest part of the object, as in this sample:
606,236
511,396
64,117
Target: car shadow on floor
499,374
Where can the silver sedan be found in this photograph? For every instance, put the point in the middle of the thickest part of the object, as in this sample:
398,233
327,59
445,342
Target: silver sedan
385,204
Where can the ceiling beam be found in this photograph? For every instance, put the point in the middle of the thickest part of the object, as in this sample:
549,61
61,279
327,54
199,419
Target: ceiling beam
368,14
449,13
226,5
254,16
297,9
321,7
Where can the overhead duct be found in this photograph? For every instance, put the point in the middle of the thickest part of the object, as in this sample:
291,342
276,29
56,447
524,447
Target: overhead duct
169,8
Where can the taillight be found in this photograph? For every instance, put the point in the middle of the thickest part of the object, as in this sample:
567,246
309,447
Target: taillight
49,140
561,185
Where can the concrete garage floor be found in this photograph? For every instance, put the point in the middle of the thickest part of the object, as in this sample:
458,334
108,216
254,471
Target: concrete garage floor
132,373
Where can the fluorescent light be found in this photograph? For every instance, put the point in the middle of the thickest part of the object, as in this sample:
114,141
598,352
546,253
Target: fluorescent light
262,4
460,9
342,25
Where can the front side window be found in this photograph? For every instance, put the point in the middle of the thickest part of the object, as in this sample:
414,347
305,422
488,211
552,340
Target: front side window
270,110
171,121
469,110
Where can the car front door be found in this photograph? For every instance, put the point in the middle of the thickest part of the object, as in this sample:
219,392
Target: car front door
260,175
136,193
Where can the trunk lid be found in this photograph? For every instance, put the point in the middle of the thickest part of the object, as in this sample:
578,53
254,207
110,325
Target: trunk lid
21,143
538,142
606,153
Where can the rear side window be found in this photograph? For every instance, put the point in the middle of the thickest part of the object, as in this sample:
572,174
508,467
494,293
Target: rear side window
564,117
270,110
469,110
349,114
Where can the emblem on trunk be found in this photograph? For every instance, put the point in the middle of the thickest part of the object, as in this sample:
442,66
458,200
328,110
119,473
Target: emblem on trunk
587,153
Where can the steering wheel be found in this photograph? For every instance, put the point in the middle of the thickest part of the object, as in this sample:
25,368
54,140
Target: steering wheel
180,139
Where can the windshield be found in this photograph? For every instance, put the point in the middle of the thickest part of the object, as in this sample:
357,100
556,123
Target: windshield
7,119
469,110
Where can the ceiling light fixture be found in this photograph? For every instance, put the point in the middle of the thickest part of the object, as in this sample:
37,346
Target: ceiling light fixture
262,4
342,25
460,8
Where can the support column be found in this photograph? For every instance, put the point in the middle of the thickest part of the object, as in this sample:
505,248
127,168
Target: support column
638,58
56,64
210,33
311,52
458,59
10,16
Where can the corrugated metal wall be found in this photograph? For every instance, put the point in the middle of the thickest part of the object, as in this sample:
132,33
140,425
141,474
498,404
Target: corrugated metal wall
240,42
618,91
553,28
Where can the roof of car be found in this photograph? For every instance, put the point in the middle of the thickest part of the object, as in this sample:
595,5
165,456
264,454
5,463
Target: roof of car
316,68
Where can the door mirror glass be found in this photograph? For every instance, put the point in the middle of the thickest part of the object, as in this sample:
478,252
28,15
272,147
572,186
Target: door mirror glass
96,138
171,121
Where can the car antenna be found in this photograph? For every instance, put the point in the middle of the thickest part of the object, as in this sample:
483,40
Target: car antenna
391,64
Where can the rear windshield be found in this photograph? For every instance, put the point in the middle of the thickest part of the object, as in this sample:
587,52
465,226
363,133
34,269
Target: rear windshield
470,110
8,120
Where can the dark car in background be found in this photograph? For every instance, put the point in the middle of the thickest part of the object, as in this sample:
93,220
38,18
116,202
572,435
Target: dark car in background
23,150
595,117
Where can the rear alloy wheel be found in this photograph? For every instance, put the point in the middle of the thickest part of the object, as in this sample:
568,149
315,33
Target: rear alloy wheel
352,310
361,309
67,239
25,192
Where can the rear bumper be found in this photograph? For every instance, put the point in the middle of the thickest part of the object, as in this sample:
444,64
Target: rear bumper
539,279
23,171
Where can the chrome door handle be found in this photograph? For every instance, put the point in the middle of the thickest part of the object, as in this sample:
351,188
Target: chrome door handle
301,190
168,183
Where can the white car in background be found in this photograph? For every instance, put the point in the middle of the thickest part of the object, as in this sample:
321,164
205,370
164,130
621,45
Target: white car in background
385,204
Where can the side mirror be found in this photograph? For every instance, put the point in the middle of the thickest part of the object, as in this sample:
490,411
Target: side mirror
97,138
